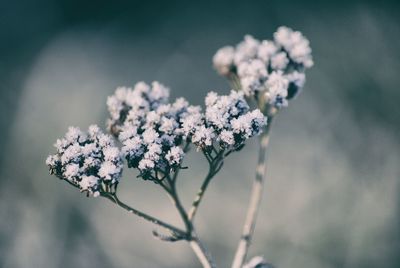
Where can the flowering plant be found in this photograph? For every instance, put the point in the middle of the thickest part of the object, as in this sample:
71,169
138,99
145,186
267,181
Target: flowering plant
156,134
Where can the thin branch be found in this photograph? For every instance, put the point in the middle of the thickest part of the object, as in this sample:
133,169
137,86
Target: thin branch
202,253
198,248
255,200
215,166
176,231
200,194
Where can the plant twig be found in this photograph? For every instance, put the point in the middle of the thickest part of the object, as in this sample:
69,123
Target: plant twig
202,253
214,168
198,248
176,231
255,200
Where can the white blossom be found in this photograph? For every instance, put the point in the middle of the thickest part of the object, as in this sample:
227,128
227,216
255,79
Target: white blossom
223,60
297,78
226,136
203,136
295,44
279,61
247,49
148,134
255,68
277,85
255,61
129,104
86,163
227,121
145,165
174,156
266,50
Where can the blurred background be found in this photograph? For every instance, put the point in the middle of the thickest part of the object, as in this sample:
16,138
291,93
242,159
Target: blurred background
332,193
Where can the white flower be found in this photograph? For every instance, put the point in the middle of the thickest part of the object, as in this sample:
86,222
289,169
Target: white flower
159,92
226,136
247,49
190,123
72,134
253,61
223,60
153,152
89,149
297,78
277,86
150,135
211,98
88,182
127,132
297,46
254,68
168,125
174,156
133,147
266,50
73,152
71,170
52,160
250,85
279,61
133,104
111,153
87,165
242,125
203,136
146,165
226,116
108,170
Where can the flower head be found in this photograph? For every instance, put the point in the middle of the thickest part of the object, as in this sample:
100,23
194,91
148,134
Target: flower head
271,71
89,161
227,121
129,104
152,138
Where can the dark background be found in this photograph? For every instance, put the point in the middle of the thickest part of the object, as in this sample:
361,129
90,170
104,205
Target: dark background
332,192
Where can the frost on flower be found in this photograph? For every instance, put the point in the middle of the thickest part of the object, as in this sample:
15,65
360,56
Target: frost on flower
253,62
89,161
277,85
228,122
152,134
223,60
133,104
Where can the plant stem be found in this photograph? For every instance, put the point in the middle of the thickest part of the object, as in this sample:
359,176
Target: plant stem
255,200
113,198
202,253
214,168
198,248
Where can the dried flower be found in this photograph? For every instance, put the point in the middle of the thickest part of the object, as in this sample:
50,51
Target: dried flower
270,71
152,133
89,161
228,121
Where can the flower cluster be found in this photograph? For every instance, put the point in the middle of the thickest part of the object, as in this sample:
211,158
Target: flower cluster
271,70
132,105
89,161
227,121
150,128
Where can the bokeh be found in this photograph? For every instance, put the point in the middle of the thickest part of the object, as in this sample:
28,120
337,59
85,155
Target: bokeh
333,185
